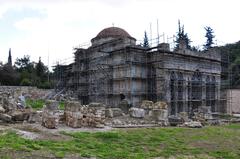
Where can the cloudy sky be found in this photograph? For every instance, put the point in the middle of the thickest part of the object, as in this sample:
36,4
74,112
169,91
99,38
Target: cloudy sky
43,27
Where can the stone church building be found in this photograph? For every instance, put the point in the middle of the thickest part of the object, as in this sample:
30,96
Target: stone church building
114,68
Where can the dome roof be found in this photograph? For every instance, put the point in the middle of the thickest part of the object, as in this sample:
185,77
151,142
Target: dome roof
113,32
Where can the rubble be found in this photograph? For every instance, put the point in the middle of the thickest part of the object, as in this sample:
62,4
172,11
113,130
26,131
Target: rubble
18,115
113,112
77,115
6,118
146,104
193,124
175,120
50,117
93,115
137,112
184,116
124,106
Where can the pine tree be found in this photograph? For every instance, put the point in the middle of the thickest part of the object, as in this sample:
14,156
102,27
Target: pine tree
182,36
145,40
209,35
40,68
9,58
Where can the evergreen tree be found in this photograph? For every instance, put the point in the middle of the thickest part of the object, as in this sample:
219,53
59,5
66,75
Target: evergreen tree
24,63
145,40
209,35
182,37
40,68
9,58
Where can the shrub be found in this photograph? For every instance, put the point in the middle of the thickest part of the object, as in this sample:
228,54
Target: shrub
45,85
25,82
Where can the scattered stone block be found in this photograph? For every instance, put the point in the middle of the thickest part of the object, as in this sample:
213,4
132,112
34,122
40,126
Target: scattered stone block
96,105
160,105
50,117
35,117
124,106
175,120
146,104
2,110
184,116
21,115
159,114
137,112
6,118
193,124
78,115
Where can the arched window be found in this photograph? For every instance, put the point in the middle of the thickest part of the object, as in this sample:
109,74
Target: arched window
208,91
197,86
172,92
213,93
180,86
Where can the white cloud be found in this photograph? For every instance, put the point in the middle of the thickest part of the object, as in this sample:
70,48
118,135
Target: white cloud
70,23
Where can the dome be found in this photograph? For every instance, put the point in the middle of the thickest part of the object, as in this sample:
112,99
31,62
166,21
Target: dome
112,32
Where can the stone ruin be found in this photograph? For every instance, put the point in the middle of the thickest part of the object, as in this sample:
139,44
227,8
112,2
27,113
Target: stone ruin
77,115
97,115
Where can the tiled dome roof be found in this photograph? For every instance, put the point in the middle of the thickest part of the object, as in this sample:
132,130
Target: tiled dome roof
112,32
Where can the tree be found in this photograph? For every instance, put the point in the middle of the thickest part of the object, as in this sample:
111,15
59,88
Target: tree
209,35
182,37
24,64
145,40
40,68
8,75
9,58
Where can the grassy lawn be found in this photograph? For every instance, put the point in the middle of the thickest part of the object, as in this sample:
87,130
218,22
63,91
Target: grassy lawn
208,142
38,104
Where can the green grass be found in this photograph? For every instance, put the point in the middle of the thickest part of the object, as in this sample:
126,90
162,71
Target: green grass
215,142
35,104
38,104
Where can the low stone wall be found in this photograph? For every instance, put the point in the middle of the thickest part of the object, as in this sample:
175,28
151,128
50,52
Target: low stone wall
16,91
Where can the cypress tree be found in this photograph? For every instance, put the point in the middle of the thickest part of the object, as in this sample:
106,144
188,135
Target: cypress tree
145,40
209,35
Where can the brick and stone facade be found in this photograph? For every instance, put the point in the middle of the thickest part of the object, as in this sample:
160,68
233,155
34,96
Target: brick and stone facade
114,68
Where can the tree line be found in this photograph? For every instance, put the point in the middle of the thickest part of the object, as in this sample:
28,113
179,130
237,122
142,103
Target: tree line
25,72
182,37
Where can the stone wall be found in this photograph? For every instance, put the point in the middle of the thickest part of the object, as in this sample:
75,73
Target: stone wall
77,115
32,92
233,101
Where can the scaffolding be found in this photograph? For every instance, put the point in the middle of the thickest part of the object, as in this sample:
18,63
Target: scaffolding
94,77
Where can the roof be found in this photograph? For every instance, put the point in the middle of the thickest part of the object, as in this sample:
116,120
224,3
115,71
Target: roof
114,32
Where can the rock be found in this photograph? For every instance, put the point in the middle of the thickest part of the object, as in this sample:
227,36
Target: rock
77,115
124,106
174,120
73,106
20,115
113,112
117,122
109,113
183,116
159,114
160,105
35,117
193,124
137,112
50,116
9,105
146,104
2,110
6,118
96,105
50,121
52,105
